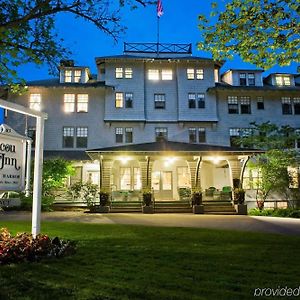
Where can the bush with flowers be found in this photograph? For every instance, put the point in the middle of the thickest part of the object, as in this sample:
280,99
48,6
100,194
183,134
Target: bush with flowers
23,247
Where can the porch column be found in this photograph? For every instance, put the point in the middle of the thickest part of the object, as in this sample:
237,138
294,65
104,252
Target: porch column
236,168
106,173
146,171
194,166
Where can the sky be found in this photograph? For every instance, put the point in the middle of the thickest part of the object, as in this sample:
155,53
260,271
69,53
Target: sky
177,25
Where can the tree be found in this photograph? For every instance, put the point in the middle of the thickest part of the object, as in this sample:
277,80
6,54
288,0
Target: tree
27,29
272,166
262,32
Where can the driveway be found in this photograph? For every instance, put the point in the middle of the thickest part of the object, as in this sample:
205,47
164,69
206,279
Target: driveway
241,223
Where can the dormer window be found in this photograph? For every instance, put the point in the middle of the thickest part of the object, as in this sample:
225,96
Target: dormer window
251,79
283,80
123,73
243,80
72,76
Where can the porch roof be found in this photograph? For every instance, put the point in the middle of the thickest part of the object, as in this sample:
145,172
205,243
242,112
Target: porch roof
169,146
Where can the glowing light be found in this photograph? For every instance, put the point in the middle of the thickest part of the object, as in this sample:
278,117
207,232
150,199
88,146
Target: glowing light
169,161
124,159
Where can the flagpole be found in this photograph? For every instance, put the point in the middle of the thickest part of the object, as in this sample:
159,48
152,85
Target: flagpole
157,45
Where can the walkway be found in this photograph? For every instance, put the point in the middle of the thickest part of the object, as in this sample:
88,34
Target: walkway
241,223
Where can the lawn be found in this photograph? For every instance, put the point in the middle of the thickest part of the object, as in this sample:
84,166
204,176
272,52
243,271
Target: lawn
138,262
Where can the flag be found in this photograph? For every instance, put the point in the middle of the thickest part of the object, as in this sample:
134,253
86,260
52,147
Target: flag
160,10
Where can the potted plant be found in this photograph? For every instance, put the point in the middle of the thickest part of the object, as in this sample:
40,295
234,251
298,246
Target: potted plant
104,197
198,207
147,207
239,199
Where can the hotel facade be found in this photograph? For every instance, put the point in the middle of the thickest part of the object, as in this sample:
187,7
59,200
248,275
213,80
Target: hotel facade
157,117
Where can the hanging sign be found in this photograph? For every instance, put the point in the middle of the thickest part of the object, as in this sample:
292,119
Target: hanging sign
12,159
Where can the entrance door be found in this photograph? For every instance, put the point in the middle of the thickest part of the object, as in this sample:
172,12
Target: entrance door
162,185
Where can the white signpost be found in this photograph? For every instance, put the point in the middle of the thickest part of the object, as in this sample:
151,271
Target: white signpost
38,159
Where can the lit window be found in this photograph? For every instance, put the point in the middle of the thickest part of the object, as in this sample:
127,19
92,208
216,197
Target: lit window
202,135
286,105
200,74
153,74
245,105
190,73
128,73
119,73
192,100
35,101
137,179
81,137
183,177
161,133
128,135
166,74
251,79
243,79
125,178
82,102
192,135
69,102
296,106
260,103
283,80
128,100
160,101
201,100
77,75
68,137
119,100
119,135
233,107
68,76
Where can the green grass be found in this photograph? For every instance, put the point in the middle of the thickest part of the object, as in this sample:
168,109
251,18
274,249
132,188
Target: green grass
138,262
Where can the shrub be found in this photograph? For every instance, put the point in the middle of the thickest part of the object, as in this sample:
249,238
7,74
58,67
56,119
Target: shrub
279,212
26,202
85,192
23,247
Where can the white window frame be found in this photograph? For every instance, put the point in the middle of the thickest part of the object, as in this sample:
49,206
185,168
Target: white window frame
153,74
119,100
166,74
35,101
69,103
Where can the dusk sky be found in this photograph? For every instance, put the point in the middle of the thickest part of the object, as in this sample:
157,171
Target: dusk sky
177,25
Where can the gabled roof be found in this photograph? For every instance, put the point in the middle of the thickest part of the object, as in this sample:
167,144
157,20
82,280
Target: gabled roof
169,146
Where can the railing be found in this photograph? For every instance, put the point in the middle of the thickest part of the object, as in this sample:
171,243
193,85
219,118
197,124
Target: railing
158,48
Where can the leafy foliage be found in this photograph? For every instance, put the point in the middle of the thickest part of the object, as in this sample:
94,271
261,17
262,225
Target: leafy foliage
263,32
28,35
84,191
281,212
23,247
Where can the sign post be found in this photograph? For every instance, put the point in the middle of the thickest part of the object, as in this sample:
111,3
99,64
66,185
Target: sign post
38,160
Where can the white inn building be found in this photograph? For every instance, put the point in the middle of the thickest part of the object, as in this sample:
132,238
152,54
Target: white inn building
158,117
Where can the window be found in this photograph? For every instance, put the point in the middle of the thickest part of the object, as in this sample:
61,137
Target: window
199,74
68,76
161,133
82,102
283,80
251,79
81,137
202,135
153,74
128,73
201,100
119,73
183,177
69,102
296,106
125,178
243,80
128,100
31,133
260,103
77,76
286,105
119,135
190,73
166,74
245,105
137,179
233,107
159,101
35,101
119,100
68,137
234,133
192,135
128,135
192,100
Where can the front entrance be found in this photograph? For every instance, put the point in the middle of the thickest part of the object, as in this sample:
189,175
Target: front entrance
162,185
